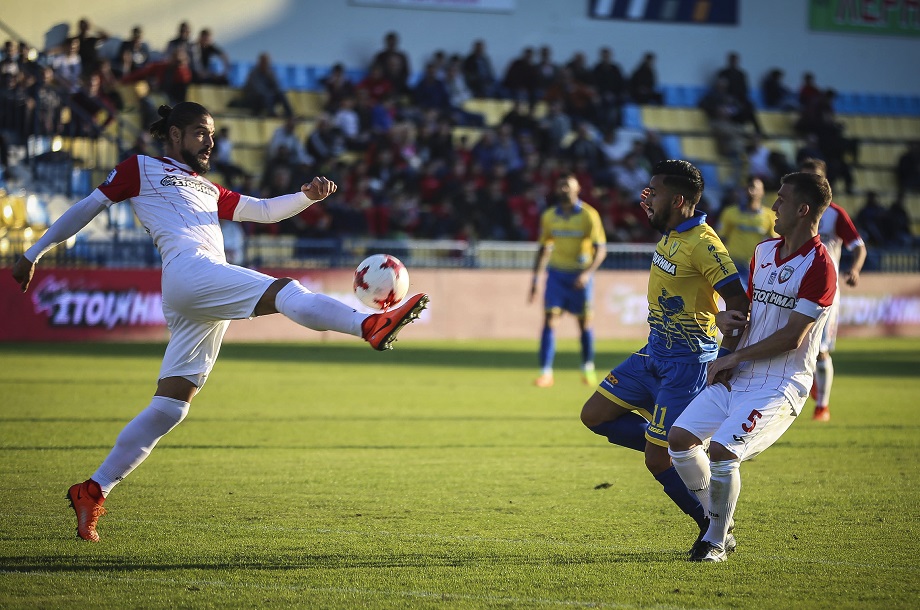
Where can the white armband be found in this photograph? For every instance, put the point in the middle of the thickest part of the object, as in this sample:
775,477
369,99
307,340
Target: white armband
271,210
69,224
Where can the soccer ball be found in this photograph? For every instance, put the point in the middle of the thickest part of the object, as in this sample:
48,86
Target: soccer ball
381,281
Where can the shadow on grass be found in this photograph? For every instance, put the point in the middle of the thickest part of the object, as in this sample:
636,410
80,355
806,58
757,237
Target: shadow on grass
47,564
513,356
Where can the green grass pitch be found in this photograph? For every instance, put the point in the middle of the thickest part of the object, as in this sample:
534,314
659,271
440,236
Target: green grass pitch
435,476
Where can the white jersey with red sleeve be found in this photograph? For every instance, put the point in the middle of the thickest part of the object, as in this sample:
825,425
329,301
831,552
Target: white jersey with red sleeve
837,231
180,209
805,282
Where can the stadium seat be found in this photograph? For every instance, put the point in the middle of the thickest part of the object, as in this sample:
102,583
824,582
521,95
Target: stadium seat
632,116
692,120
672,147
777,123
700,149
306,103
244,131
238,72
251,159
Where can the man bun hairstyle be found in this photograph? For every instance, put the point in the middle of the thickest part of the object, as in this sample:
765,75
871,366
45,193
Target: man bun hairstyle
181,115
682,177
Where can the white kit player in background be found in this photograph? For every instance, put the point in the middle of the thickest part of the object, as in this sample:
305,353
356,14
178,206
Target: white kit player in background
201,292
837,231
756,392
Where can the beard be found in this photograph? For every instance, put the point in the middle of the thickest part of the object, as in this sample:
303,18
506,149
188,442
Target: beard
658,223
192,161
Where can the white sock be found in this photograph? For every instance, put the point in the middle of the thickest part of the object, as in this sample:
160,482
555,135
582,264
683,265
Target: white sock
693,467
824,379
317,311
724,489
138,438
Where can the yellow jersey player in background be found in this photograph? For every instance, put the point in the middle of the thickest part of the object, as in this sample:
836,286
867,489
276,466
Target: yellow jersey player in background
742,227
639,400
572,247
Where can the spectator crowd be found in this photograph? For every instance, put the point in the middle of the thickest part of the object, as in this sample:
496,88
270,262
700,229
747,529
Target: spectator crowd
392,141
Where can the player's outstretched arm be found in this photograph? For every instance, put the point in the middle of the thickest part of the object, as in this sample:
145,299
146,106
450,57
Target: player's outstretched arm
78,216
284,206
320,188
23,270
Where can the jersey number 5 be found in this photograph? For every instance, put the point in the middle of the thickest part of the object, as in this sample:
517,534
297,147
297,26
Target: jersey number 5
753,417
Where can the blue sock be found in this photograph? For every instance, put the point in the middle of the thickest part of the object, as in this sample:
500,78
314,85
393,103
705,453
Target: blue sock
547,348
626,431
587,346
680,495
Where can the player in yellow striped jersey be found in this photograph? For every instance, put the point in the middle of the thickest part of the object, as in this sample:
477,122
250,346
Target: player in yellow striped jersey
572,247
743,227
639,400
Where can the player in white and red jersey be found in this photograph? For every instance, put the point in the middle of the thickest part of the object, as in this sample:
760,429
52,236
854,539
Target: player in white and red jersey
837,231
756,392
182,210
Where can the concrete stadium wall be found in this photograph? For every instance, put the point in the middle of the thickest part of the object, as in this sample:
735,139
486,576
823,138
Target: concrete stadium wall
322,32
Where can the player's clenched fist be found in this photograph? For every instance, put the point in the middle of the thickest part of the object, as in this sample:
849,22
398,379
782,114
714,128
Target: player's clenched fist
319,188
22,272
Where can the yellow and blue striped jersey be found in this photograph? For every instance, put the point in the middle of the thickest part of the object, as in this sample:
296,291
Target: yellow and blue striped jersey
743,229
689,263
572,236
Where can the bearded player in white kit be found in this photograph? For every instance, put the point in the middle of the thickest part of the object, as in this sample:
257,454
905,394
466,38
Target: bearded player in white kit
756,392
201,292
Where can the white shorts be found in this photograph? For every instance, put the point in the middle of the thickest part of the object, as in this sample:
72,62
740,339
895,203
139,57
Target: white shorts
201,294
829,334
745,423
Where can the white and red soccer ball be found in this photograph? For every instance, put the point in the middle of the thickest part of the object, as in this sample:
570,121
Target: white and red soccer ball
381,281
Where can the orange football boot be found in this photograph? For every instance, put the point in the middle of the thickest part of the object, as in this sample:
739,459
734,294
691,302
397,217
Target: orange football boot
380,329
544,381
86,499
822,414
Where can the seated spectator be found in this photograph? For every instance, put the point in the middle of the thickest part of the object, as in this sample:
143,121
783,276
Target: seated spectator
133,54
262,92
325,142
375,84
578,68
285,136
584,148
898,222
88,103
643,82
521,78
809,149
724,112
908,170
872,220
171,76
9,64
652,149
348,122
546,71
222,157
337,87
478,72
209,62
183,40
579,100
758,156
67,65
776,95
430,91
554,127
520,118
611,89
458,94
808,91
737,86
393,63
47,102
631,177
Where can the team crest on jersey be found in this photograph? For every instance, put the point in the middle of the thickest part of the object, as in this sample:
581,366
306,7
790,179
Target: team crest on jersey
785,274
110,177
674,247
